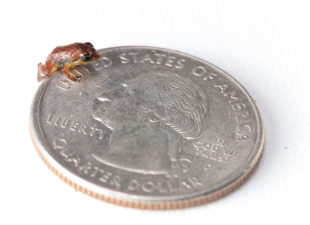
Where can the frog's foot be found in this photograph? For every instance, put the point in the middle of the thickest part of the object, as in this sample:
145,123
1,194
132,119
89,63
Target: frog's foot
70,75
41,72
45,71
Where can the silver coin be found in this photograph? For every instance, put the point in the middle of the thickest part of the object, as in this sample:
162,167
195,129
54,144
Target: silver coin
148,128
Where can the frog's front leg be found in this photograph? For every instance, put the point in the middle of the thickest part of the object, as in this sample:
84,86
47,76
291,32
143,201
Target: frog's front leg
70,75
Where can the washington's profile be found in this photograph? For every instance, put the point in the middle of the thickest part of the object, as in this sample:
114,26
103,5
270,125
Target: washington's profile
150,116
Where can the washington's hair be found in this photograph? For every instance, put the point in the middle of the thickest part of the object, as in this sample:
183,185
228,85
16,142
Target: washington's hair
177,101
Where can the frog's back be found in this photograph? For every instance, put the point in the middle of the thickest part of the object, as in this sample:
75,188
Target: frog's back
63,55
66,48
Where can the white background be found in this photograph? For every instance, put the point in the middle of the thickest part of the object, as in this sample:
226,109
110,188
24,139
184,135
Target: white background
263,44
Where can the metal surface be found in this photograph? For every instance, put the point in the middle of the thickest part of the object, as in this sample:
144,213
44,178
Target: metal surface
148,128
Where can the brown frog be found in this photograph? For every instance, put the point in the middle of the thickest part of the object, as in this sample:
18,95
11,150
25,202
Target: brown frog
66,57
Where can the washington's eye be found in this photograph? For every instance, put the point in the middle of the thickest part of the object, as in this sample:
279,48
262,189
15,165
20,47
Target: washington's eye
88,56
124,85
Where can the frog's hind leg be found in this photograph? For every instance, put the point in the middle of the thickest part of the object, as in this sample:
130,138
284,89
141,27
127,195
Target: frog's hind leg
45,71
42,71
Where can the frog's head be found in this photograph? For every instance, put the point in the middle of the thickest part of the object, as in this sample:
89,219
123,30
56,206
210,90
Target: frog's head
88,53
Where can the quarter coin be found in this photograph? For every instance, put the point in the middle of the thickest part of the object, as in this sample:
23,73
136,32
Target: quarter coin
149,128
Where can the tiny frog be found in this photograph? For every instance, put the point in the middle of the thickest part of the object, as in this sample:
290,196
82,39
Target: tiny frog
66,57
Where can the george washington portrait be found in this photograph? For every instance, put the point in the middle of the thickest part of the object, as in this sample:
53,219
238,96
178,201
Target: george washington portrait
150,117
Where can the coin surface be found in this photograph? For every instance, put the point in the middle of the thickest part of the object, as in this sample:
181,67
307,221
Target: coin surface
149,128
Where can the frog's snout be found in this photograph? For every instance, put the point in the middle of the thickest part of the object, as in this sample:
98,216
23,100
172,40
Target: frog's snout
96,55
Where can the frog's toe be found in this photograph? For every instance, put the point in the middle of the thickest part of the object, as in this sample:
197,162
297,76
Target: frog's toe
78,79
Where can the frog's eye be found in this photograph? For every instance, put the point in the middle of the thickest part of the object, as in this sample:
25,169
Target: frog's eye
88,56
